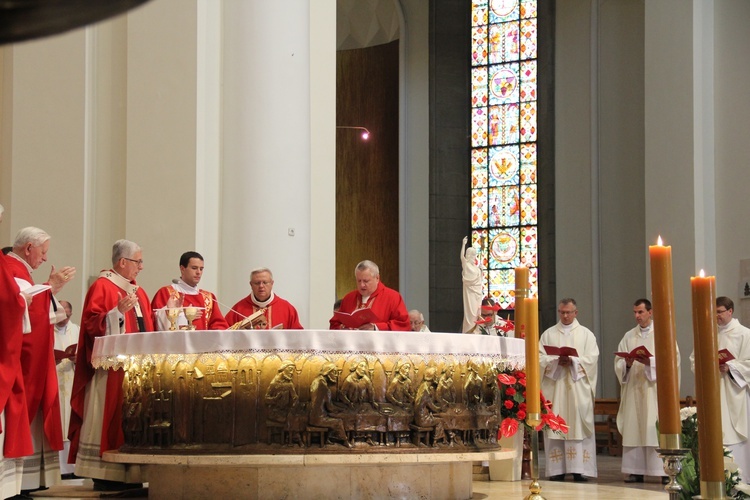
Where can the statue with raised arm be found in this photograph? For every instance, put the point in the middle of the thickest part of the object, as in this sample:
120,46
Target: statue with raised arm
471,275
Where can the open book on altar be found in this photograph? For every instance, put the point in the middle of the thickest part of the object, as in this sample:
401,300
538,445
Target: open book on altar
724,356
68,353
560,351
640,353
357,318
247,323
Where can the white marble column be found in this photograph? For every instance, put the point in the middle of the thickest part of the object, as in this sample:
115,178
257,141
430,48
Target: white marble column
679,123
278,180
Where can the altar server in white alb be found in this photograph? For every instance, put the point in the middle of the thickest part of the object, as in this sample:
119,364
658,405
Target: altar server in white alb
66,335
735,376
638,413
569,382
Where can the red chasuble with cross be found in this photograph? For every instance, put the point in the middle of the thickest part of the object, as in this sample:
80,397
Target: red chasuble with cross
102,298
38,360
12,396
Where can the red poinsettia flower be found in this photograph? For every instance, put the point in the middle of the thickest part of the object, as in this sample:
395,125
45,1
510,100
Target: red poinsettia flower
513,410
508,427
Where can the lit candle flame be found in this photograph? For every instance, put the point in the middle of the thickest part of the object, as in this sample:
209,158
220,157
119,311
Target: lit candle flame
702,274
659,242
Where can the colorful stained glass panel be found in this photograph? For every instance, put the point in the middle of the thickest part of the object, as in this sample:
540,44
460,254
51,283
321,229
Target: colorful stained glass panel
528,163
504,42
479,127
503,166
479,86
528,81
479,45
503,121
528,204
504,248
503,10
479,12
504,83
479,208
528,39
504,152
479,168
528,122
528,246
502,287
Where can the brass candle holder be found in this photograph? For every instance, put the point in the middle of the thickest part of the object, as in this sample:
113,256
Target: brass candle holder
672,458
535,489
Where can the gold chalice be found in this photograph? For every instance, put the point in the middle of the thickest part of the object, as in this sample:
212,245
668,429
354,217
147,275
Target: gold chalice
172,315
191,313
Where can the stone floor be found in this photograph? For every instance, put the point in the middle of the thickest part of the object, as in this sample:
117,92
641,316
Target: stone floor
608,485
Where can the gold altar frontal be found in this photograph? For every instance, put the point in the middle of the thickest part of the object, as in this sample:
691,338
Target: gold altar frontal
295,395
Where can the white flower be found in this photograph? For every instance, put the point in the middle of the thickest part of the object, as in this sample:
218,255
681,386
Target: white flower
687,412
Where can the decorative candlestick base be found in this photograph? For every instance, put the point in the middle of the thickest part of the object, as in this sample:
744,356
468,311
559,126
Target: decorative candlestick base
535,489
672,466
712,490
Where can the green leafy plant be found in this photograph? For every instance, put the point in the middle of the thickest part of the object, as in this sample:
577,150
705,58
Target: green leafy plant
689,476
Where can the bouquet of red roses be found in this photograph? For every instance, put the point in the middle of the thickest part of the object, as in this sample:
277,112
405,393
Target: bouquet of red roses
513,406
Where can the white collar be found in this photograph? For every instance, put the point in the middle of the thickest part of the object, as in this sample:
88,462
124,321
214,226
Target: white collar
265,302
184,288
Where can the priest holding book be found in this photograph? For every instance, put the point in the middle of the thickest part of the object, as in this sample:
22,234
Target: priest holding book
569,382
385,307
635,368
734,347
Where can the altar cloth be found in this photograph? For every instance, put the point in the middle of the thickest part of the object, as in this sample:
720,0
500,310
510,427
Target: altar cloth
120,351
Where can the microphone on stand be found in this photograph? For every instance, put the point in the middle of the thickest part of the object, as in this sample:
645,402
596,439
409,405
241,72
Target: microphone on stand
176,281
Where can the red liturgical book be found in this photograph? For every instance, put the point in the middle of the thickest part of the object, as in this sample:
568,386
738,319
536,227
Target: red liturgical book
68,353
561,351
640,353
725,356
357,318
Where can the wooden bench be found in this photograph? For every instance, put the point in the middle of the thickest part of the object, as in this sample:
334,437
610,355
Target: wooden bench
605,427
605,424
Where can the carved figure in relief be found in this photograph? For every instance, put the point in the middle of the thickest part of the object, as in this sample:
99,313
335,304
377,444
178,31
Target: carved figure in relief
399,390
357,387
281,396
473,385
322,408
446,390
425,407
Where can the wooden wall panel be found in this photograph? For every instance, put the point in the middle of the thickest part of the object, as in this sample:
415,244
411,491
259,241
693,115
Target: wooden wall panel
367,187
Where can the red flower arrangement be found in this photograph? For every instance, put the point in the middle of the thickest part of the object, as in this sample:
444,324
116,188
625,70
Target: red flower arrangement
513,410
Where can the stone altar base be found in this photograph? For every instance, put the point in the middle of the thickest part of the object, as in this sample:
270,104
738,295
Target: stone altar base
435,476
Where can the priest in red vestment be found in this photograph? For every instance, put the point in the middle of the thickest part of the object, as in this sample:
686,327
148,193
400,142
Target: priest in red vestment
15,435
42,468
279,313
385,303
184,292
114,305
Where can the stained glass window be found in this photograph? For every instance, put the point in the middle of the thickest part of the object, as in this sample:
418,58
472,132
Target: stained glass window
503,143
